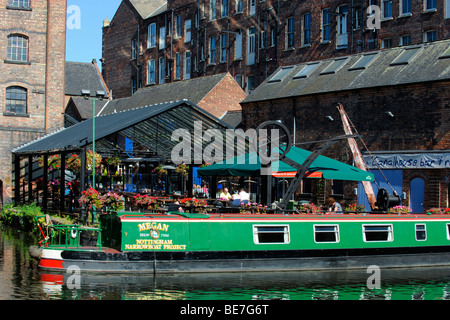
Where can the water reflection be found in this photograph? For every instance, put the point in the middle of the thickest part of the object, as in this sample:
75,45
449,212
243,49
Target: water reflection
20,278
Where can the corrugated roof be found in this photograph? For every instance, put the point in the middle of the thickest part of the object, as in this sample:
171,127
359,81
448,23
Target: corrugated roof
193,90
150,127
421,63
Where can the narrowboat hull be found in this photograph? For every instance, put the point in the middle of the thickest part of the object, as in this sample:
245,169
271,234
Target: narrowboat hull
239,261
257,243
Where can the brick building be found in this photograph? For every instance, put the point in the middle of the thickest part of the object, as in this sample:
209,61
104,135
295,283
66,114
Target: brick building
32,38
398,100
151,42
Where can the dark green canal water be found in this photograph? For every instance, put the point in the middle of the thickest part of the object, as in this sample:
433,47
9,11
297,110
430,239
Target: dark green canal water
21,279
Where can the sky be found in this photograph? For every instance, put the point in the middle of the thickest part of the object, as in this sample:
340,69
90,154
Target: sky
84,28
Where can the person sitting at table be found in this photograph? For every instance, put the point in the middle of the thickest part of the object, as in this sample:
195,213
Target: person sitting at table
333,206
225,194
245,197
236,198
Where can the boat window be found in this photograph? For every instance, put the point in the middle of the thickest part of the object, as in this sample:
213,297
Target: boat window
271,234
448,231
377,233
326,233
421,232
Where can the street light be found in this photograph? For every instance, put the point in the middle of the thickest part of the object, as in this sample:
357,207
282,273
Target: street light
99,95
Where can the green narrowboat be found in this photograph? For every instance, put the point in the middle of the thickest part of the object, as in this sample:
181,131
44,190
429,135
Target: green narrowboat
174,243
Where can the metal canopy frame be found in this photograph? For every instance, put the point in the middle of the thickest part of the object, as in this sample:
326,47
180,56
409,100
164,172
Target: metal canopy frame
150,128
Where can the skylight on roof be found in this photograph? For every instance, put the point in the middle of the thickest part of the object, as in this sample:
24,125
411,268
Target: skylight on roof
446,54
334,66
406,56
306,70
281,74
364,61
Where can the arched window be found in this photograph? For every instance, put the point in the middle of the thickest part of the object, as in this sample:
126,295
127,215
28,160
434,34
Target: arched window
16,100
17,48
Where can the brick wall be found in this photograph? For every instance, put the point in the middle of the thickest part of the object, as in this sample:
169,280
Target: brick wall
421,122
227,95
118,68
42,76
271,18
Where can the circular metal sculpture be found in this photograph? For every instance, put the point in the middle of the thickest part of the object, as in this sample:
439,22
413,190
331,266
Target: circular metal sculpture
272,138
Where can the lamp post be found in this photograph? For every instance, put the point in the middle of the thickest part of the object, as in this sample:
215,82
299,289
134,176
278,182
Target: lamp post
99,95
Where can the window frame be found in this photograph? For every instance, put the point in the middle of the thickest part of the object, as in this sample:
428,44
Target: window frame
11,5
257,232
306,32
326,26
12,52
424,231
390,232
223,47
151,38
187,65
151,69
335,232
290,33
402,11
212,50
8,105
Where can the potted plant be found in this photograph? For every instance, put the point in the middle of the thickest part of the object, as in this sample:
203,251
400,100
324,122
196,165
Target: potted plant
400,210
114,202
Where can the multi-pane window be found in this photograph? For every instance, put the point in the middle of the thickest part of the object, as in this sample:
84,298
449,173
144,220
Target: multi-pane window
17,48
187,31
223,47
307,29
151,35
405,7
151,71
177,65
162,70
387,9
212,50
162,37
16,100
430,36
290,34
386,43
212,10
133,49
405,40
251,46
19,3
239,6
178,27
326,26
187,65
273,37
224,8
421,232
430,4
262,39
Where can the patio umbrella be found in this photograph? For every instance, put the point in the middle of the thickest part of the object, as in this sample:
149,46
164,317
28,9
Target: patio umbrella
323,167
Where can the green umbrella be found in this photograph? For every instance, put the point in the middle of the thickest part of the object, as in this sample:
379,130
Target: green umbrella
323,167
